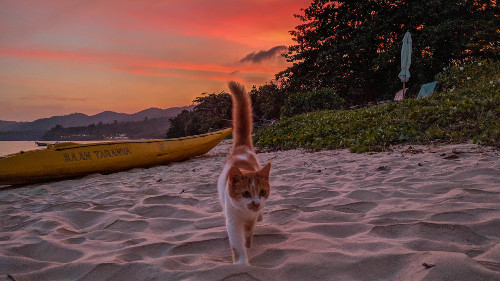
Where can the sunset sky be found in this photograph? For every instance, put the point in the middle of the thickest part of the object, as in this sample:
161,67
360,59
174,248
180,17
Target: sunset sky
59,57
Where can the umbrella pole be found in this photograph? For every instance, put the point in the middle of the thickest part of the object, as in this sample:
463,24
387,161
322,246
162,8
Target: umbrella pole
403,90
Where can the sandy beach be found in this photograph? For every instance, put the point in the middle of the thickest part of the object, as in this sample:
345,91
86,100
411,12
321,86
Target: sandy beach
413,213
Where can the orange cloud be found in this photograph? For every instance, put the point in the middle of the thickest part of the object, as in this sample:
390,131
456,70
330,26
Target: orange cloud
69,53
145,66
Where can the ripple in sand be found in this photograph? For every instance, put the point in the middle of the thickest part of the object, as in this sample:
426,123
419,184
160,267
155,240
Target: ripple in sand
268,238
433,231
15,265
357,207
65,231
184,262
76,240
80,219
128,226
243,276
132,242
365,195
281,217
491,258
166,211
412,215
274,257
423,245
148,251
326,216
488,228
14,223
379,267
46,251
335,230
67,206
200,247
168,199
482,173
210,222
108,236
453,217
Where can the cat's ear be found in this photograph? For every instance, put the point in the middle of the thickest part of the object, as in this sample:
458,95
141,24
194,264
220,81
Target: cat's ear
265,171
234,175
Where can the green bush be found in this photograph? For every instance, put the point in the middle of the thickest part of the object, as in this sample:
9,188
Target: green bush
465,109
323,99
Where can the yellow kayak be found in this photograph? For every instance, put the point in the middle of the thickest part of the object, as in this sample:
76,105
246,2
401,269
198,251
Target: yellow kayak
65,160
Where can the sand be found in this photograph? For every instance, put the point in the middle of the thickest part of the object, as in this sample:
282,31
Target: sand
414,213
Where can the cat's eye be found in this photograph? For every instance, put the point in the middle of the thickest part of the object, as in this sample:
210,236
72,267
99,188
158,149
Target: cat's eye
246,194
262,192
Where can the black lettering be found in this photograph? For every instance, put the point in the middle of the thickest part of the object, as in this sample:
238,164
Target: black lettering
87,155
113,152
127,151
66,157
73,157
96,152
106,153
119,151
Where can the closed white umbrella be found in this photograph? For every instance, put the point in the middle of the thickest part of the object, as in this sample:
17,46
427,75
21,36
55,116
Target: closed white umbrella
404,75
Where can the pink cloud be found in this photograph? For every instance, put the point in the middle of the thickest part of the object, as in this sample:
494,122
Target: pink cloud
145,66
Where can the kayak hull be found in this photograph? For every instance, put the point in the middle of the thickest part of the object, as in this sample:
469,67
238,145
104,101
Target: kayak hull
66,160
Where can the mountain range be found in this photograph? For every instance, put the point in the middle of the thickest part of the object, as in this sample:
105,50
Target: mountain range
80,119
12,130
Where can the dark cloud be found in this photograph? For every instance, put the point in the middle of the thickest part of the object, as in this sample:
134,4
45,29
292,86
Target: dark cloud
257,57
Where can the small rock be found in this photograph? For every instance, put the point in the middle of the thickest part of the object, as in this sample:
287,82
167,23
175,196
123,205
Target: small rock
427,266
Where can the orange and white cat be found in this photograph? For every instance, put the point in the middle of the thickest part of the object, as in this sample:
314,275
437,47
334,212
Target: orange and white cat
243,185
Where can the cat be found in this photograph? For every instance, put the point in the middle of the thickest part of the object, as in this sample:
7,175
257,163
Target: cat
243,185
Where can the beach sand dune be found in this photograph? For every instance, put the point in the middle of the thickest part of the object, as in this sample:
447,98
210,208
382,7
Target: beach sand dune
414,213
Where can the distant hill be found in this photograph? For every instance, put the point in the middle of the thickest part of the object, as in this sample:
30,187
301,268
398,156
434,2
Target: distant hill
80,119
11,130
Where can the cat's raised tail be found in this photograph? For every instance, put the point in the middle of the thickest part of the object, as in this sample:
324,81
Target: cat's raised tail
242,115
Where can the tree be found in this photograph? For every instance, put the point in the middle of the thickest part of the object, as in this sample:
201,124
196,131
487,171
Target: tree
354,46
202,118
267,101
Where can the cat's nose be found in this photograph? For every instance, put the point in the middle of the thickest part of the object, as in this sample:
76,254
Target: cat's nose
255,205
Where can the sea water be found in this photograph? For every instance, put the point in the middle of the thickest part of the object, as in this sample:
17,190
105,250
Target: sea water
9,147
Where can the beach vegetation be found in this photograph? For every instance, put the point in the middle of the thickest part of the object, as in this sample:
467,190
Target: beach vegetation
464,109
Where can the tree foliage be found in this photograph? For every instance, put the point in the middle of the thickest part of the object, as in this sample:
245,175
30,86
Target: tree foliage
267,101
202,118
322,99
354,47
